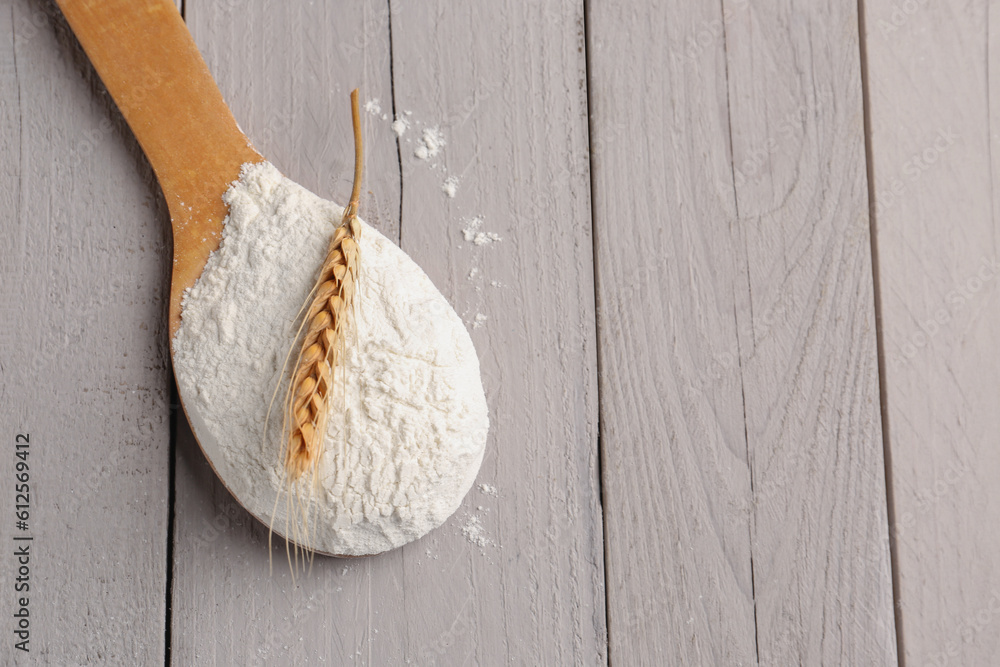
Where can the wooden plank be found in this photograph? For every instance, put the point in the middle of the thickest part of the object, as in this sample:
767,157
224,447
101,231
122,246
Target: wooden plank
675,476
286,73
736,315
823,585
935,135
506,85
83,357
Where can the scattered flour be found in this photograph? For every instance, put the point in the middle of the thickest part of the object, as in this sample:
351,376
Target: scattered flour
473,232
450,187
479,321
408,420
476,533
488,489
400,125
373,107
431,141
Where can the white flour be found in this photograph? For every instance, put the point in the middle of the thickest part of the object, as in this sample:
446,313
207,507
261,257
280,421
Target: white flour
473,232
431,141
405,440
400,125
450,187
475,532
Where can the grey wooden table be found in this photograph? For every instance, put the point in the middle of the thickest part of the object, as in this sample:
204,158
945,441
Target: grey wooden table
738,336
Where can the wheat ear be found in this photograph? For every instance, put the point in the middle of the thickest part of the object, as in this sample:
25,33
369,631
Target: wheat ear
325,326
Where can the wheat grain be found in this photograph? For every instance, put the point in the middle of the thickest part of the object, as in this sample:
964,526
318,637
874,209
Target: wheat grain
322,332
324,328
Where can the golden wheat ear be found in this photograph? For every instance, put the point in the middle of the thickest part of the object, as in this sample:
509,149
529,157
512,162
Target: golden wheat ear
310,388
322,343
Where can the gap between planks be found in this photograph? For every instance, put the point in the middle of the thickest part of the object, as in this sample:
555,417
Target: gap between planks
880,336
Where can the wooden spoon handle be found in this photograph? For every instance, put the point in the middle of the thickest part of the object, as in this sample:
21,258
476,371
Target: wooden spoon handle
153,70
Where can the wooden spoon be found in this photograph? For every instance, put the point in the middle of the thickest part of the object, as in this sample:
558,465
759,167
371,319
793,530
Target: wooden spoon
149,63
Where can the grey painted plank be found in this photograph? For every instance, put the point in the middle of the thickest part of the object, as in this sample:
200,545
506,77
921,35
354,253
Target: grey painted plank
822,576
83,355
675,475
935,139
736,315
534,592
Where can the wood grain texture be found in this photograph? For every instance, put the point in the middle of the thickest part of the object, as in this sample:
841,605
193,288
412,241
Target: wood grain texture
742,447
805,308
730,213
83,355
935,138
675,475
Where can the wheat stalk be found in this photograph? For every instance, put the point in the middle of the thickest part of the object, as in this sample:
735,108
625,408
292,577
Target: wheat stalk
330,302
325,326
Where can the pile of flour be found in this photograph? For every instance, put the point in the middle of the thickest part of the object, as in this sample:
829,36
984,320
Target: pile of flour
408,417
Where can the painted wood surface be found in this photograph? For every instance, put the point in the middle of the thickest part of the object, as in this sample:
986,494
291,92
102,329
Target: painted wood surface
739,402
806,318
532,591
744,499
83,357
935,135
677,494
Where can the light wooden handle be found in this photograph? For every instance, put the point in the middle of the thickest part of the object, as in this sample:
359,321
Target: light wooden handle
153,70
